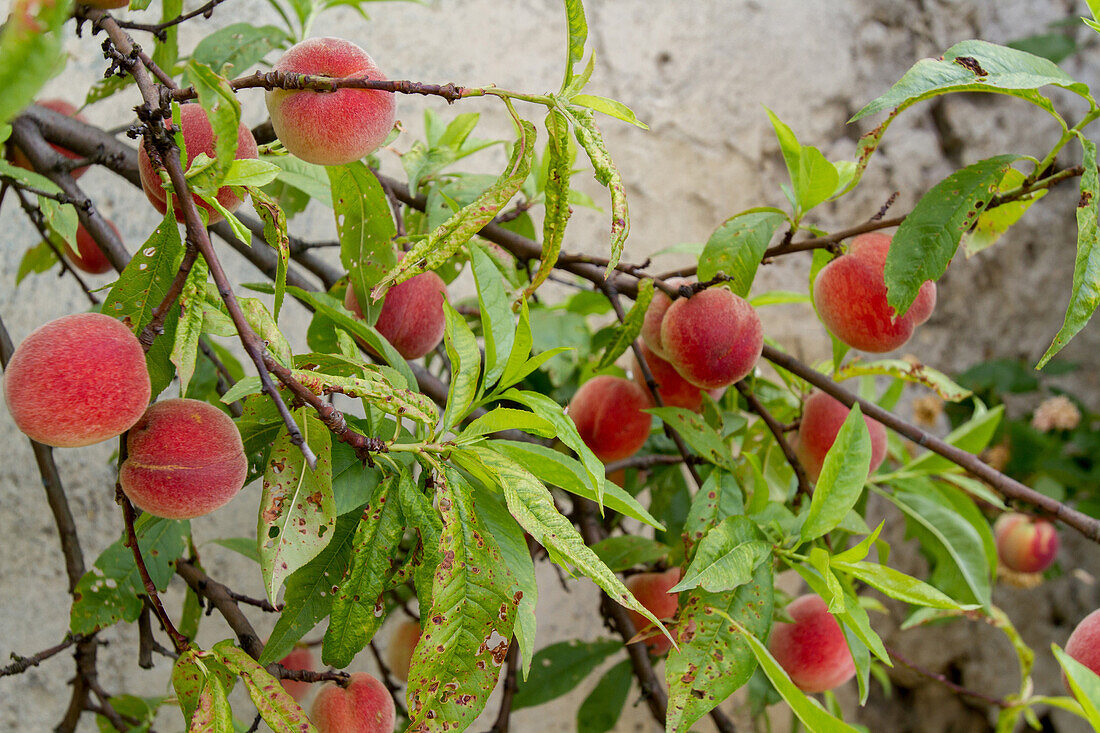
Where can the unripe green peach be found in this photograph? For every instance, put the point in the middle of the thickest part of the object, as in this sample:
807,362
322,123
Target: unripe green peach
88,257
412,317
713,338
77,380
62,107
651,590
822,418
850,296
812,650
364,706
1024,544
399,651
300,658
185,459
608,414
330,128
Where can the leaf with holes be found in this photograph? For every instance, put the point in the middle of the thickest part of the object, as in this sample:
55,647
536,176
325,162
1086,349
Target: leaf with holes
275,705
737,246
365,225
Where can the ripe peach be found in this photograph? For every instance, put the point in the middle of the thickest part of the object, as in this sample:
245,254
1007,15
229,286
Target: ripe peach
400,649
185,459
675,391
412,317
812,650
1084,642
655,314
77,380
850,296
90,258
713,338
651,590
198,136
822,417
330,128
299,658
1024,544
62,107
364,706
608,414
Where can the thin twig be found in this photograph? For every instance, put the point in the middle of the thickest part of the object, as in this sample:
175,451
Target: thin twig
777,431
954,687
22,664
388,681
34,214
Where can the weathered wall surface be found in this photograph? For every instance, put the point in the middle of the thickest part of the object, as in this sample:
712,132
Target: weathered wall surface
698,72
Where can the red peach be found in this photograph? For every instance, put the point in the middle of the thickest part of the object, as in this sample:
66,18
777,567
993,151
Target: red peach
675,391
412,317
713,338
608,414
399,651
651,590
299,658
90,258
330,128
185,459
198,137
1084,642
1024,544
812,650
365,706
850,296
822,418
655,314
77,380
61,107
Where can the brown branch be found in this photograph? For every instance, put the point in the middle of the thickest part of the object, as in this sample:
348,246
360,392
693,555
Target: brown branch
36,217
158,29
954,687
222,598
777,431
261,603
289,80
225,379
22,664
145,637
155,327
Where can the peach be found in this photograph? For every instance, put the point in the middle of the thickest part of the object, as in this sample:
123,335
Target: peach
77,380
812,650
1084,642
675,391
330,128
1024,544
299,658
364,706
822,417
185,459
400,649
412,314
88,257
62,107
651,590
608,414
198,136
713,338
655,313
850,297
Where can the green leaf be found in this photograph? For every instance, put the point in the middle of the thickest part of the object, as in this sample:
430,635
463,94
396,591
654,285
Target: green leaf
994,222
275,705
718,498
311,180
695,431
972,436
726,557
238,46
591,140
498,325
842,477
559,668
506,418
462,648
297,511
935,380
627,332
625,551
1085,294
224,112
358,608
186,344
38,259
610,107
737,247
365,225
1084,683
714,659
556,211
465,360
275,234
928,238
577,28
600,711
213,714
30,53
898,585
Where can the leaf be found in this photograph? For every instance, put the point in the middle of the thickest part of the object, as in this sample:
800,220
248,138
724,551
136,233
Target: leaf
842,477
365,225
311,180
186,344
297,511
213,714
357,607
972,436
726,557
610,107
506,418
239,46
628,331
559,668
591,140
224,112
498,325
704,439
275,705
928,238
719,497
625,551
994,222
463,645
935,380
1084,296
737,246
1084,683
30,52
714,659
465,358
577,28
556,209
38,259
275,234
898,585
600,711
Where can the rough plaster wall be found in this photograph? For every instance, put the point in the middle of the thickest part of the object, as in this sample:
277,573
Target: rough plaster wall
698,73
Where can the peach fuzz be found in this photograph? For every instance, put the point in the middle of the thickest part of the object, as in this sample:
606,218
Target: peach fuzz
77,380
61,107
185,459
330,128
651,590
674,390
364,706
812,650
850,297
1024,544
822,418
655,314
608,414
300,658
88,257
399,651
198,136
412,317
713,338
